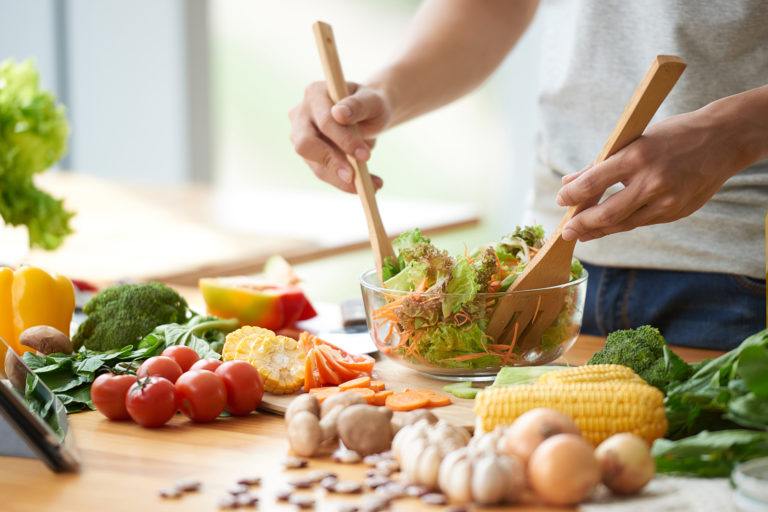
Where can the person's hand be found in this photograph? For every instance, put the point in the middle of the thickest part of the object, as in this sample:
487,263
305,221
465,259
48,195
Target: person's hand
321,132
668,173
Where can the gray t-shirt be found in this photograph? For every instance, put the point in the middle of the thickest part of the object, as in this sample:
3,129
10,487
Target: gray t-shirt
595,53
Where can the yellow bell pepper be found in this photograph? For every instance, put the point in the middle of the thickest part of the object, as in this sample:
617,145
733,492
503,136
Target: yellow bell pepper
30,296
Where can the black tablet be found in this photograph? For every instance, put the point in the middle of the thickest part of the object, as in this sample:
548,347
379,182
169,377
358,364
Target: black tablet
33,422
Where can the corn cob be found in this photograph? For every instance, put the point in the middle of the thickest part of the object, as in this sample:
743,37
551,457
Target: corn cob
279,359
590,373
598,409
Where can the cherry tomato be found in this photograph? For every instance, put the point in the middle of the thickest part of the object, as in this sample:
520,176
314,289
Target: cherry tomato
244,387
207,364
202,395
108,394
151,401
160,366
183,355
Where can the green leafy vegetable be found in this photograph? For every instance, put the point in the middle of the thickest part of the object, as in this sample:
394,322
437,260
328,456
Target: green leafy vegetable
725,392
124,314
709,454
412,275
464,389
461,288
450,346
201,334
645,351
33,136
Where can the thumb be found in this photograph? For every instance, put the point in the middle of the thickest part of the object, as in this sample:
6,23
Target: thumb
363,104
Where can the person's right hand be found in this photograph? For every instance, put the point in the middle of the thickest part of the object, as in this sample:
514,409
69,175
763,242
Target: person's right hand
322,132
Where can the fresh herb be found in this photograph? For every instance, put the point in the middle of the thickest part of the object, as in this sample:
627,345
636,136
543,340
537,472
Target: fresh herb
203,334
33,136
645,351
124,314
731,390
709,454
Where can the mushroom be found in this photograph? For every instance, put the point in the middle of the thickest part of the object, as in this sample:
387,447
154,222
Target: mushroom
305,402
304,433
344,399
365,428
46,340
15,371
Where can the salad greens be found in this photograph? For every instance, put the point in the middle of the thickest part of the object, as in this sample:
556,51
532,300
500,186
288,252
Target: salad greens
441,319
70,376
33,136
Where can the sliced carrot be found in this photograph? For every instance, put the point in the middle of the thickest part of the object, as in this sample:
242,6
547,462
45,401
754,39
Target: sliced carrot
360,382
406,401
380,398
322,393
366,393
377,385
435,399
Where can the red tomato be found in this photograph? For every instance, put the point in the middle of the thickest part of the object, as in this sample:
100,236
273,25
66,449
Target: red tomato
207,364
160,366
183,355
244,387
108,394
151,401
202,395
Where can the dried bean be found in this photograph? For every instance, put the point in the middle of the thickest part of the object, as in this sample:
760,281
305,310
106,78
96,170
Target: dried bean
347,507
170,493
416,491
374,504
434,498
376,481
345,456
392,490
347,487
249,480
372,460
329,483
295,463
227,502
188,485
284,494
387,467
317,476
247,500
302,501
301,483
238,489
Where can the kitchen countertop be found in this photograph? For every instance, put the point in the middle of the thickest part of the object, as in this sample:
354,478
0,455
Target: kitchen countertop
124,465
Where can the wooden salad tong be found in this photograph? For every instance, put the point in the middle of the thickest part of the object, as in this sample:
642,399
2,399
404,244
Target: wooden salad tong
337,90
523,318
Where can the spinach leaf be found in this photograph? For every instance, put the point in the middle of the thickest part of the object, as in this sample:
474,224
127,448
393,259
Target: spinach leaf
198,334
709,454
753,368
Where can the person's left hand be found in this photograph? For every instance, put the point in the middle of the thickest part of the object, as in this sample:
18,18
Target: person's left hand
668,173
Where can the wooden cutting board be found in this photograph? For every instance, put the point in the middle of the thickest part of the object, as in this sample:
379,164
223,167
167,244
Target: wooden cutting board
397,378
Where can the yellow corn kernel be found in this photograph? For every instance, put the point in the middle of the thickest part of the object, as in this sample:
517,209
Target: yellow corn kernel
590,373
598,409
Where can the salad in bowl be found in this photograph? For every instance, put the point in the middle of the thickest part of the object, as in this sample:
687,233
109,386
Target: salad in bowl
430,311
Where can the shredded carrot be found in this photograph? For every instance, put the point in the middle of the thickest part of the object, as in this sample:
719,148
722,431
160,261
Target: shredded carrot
360,382
469,357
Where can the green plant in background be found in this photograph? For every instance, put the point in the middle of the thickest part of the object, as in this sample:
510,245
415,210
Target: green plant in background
33,136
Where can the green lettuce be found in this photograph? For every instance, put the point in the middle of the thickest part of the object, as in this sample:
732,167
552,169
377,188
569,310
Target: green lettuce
33,136
409,277
445,342
461,288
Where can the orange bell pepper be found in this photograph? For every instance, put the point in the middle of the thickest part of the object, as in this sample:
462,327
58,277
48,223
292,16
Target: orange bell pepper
29,296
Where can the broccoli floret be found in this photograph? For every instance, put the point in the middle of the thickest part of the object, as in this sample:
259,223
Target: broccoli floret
645,351
122,315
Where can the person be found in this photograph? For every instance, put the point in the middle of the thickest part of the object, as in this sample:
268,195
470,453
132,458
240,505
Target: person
677,240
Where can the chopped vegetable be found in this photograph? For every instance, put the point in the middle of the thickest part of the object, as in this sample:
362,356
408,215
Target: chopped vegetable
463,389
406,401
513,375
366,393
257,301
360,382
377,385
280,360
726,392
599,408
33,137
327,364
380,398
124,314
322,393
709,454
645,351
441,318
435,399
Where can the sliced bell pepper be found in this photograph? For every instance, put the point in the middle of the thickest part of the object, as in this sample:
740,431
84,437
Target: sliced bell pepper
254,301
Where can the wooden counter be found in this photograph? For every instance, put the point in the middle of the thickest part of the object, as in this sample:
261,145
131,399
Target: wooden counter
124,465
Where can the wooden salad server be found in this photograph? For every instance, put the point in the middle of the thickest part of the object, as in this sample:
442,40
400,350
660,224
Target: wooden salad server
337,90
523,319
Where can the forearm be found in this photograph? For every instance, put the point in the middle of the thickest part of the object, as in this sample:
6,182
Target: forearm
453,46
742,120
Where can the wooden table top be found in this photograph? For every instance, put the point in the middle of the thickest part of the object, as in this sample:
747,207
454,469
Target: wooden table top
180,233
124,465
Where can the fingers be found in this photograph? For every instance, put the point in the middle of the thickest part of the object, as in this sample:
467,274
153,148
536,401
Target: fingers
592,182
600,218
644,216
363,104
311,146
346,138
570,177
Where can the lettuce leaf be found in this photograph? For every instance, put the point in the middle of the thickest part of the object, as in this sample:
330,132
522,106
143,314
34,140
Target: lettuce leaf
444,342
33,136
409,278
461,288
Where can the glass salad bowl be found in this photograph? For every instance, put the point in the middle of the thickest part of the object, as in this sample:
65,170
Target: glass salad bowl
418,330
